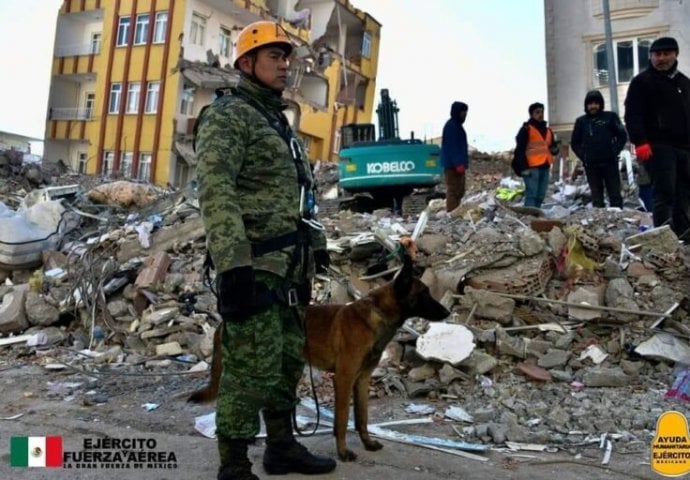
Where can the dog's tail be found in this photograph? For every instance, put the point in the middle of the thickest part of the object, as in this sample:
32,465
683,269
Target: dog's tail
210,391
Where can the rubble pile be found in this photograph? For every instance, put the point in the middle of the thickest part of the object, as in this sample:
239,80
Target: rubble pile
566,323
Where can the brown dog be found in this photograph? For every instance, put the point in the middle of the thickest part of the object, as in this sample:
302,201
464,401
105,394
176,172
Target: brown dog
349,340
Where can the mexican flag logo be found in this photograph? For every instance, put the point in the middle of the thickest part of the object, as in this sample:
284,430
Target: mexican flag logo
36,451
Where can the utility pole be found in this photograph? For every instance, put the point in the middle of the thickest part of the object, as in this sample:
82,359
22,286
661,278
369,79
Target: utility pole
610,61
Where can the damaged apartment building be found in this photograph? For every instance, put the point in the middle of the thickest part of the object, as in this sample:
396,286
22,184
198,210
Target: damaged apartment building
129,78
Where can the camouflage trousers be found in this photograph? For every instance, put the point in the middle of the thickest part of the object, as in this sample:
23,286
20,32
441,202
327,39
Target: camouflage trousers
262,364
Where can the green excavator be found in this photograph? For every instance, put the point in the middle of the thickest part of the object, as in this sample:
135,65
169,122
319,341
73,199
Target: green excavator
384,172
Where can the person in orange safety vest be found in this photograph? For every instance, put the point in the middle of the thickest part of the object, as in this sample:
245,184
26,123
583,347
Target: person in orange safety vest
535,147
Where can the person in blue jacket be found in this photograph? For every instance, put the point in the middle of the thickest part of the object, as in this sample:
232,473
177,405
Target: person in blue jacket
454,155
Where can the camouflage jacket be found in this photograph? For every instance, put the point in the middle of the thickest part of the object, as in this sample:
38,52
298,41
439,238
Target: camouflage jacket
248,184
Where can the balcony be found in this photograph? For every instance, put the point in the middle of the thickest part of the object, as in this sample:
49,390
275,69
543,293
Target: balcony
70,114
78,49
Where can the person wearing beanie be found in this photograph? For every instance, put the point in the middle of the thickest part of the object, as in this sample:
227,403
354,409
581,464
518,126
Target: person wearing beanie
454,155
535,147
657,116
598,138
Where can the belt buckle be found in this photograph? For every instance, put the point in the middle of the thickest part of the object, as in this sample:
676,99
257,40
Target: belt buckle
292,298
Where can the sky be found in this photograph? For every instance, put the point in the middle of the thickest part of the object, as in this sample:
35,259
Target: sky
486,53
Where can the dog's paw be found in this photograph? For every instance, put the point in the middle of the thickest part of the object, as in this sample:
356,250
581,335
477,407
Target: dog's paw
373,445
347,455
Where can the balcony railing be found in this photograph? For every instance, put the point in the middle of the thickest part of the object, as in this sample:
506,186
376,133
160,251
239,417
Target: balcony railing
76,50
70,113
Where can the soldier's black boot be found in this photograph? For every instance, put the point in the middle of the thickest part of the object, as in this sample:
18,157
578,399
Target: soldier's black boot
234,461
284,454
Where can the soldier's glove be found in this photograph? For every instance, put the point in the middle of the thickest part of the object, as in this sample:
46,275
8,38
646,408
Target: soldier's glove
643,152
236,293
322,261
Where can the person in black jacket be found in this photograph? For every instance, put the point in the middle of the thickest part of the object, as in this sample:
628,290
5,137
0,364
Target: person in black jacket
657,115
598,138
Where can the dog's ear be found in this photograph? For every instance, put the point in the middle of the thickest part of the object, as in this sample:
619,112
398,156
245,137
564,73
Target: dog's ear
405,277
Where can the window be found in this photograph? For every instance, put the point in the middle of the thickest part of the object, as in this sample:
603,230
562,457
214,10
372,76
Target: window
107,167
123,31
141,32
224,42
630,58
126,164
89,103
187,105
336,142
198,30
81,165
144,172
366,45
133,93
152,97
160,27
115,94
95,43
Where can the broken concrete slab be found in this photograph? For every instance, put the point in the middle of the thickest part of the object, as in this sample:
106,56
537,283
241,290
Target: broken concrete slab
489,305
12,311
164,239
446,342
605,377
554,358
660,240
664,346
479,363
39,311
587,297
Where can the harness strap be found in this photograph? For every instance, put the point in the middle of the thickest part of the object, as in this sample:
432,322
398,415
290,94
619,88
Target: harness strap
276,243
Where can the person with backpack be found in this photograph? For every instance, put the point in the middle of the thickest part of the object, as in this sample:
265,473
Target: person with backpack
256,194
598,138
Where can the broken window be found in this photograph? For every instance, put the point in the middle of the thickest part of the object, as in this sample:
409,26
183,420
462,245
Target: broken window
141,32
144,171
366,45
115,95
123,31
224,42
630,58
198,30
107,167
152,92
133,94
187,104
81,165
160,27
126,164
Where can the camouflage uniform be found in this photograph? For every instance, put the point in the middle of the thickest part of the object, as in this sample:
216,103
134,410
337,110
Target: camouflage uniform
249,193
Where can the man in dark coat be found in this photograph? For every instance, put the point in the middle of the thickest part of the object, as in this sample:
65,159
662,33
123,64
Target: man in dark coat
598,138
657,115
454,155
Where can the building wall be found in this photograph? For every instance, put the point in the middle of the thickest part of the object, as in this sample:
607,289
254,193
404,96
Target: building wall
155,133
572,31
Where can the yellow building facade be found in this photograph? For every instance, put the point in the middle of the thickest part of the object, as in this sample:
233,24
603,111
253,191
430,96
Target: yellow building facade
129,78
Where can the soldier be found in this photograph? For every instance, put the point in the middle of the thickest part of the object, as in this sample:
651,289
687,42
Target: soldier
257,204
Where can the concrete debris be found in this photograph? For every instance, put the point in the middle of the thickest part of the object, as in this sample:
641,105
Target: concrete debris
571,297
446,342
